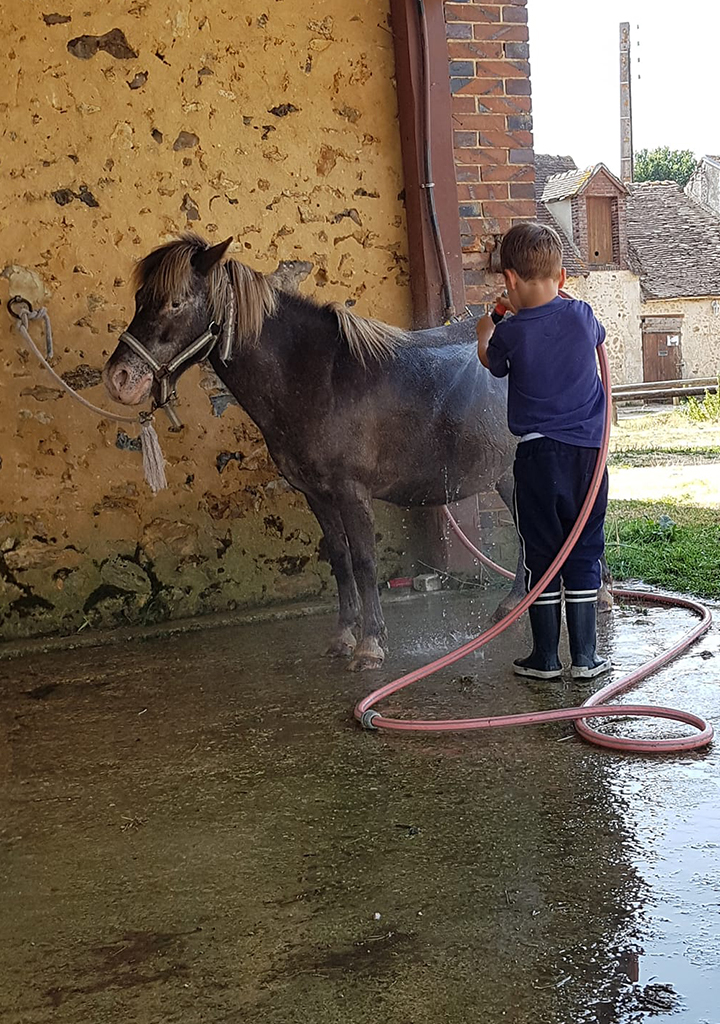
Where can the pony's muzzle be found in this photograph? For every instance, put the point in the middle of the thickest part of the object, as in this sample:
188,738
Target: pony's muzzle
127,384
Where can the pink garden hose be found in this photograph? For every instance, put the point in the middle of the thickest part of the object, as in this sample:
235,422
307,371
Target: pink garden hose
595,706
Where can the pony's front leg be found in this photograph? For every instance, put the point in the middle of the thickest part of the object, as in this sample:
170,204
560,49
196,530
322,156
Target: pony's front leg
359,523
350,609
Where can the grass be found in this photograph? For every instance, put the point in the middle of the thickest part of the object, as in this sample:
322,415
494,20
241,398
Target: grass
672,542
671,432
665,544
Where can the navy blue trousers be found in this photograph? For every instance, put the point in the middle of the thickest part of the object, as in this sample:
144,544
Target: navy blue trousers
551,482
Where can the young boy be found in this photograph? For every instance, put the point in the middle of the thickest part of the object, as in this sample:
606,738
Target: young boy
556,406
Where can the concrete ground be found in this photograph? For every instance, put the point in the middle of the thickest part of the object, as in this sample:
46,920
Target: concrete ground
193,830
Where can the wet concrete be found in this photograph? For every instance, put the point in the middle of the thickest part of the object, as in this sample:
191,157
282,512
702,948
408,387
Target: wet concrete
193,830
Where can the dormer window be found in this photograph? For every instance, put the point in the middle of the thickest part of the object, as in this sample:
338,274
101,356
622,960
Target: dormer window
601,212
589,206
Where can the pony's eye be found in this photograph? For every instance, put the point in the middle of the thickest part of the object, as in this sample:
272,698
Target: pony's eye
175,305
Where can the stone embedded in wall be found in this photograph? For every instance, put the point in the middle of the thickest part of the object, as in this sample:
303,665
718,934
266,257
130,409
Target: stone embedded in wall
126,575
174,535
308,215
83,376
350,114
113,42
290,274
27,283
221,402
185,140
34,553
335,218
63,196
223,458
189,208
56,19
284,109
327,160
139,80
126,443
42,394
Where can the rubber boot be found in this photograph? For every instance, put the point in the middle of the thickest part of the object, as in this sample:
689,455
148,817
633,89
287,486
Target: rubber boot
543,662
581,617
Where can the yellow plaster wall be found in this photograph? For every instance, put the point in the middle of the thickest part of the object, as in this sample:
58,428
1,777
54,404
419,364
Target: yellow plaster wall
165,121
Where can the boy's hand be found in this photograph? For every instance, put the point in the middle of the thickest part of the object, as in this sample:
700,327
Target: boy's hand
484,328
504,300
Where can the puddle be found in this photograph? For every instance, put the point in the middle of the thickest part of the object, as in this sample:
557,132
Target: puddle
194,829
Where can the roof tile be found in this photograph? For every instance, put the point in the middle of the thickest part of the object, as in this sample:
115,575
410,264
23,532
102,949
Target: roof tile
674,242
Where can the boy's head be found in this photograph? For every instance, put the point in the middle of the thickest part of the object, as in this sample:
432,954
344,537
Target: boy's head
531,261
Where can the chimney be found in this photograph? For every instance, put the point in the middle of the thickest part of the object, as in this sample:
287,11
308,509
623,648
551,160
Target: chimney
626,144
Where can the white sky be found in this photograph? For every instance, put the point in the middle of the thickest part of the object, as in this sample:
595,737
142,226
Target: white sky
574,59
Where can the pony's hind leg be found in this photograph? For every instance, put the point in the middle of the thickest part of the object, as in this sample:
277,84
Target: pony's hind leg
359,523
505,488
344,642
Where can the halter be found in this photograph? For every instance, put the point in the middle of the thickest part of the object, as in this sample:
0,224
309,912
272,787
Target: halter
163,372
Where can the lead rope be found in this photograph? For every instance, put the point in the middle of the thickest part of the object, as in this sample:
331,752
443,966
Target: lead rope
152,456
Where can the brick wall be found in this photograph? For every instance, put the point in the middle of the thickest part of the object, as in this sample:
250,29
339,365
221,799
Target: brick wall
488,51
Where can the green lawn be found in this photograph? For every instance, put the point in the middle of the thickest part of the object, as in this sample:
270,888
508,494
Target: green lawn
672,541
665,544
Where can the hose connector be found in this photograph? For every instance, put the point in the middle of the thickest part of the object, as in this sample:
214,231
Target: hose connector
367,718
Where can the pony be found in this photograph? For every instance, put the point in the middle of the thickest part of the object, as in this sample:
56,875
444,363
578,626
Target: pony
351,409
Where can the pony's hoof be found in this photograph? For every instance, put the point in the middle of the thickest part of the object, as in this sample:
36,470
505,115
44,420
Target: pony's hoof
368,656
343,645
604,601
506,605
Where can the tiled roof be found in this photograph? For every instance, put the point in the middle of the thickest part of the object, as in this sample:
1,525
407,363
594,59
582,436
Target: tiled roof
565,185
674,242
547,166
570,182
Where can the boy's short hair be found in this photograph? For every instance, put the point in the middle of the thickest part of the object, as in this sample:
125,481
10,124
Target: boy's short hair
533,251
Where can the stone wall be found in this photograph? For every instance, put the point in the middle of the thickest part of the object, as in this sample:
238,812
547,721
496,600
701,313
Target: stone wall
700,334
615,298
127,122
704,185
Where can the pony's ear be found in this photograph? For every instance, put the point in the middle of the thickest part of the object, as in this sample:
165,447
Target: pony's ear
206,259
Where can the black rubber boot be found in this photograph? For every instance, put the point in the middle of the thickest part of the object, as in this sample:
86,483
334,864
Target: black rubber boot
581,616
543,662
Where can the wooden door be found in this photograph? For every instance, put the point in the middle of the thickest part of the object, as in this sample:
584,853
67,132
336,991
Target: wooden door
662,356
600,234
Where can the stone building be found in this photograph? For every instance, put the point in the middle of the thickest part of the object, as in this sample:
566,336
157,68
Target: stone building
297,130
704,185
647,258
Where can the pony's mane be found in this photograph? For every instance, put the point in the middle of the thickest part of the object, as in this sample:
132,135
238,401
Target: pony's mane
237,291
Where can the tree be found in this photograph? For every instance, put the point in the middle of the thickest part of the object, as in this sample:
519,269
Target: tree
665,164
